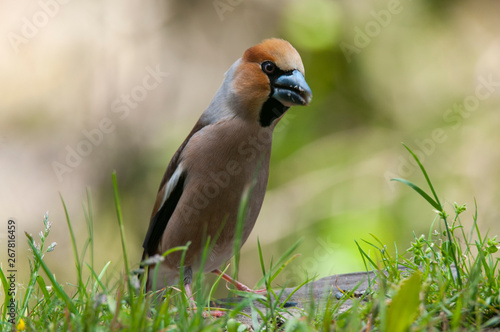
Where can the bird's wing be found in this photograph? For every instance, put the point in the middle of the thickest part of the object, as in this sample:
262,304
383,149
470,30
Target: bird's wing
171,188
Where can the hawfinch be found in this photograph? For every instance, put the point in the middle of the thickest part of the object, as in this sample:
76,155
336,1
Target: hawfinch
225,155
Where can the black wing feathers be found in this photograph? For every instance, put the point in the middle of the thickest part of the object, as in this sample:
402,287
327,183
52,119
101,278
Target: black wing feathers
161,213
161,218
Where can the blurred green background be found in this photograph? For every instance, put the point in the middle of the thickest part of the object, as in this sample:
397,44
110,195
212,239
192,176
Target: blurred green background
426,73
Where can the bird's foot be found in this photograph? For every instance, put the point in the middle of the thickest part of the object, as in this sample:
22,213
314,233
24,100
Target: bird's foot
205,313
239,286
211,313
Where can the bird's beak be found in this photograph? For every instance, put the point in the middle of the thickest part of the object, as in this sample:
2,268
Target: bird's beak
292,89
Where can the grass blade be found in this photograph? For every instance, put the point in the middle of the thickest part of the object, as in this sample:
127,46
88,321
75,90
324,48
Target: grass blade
122,232
404,306
75,249
7,298
422,193
43,287
425,175
57,288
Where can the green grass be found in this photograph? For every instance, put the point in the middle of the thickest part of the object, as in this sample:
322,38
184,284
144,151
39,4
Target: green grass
446,280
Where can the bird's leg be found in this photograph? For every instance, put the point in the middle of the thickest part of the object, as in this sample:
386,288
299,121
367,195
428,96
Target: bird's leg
237,284
205,314
189,294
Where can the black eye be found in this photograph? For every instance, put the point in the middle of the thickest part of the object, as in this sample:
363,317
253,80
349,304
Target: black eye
268,67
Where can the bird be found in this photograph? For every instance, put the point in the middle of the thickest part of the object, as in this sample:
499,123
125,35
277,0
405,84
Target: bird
224,157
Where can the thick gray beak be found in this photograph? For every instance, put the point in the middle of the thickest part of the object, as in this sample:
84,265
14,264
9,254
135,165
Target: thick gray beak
292,89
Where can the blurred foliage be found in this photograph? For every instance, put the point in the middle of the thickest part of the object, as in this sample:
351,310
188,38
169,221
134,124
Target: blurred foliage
313,25
382,72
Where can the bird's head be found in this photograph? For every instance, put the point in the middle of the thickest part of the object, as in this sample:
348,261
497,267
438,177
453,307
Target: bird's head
267,80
